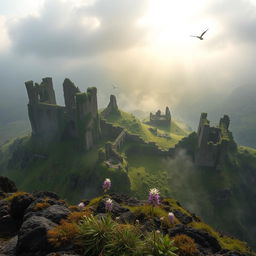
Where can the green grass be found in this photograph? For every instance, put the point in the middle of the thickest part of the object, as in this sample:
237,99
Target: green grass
68,171
226,242
135,126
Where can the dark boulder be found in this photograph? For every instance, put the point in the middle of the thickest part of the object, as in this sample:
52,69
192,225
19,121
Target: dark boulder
8,225
183,218
32,237
10,247
127,217
46,194
54,213
19,204
116,211
201,237
6,185
125,199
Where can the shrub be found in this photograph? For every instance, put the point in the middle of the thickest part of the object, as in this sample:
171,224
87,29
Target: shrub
41,206
186,245
156,244
124,240
63,234
94,234
78,216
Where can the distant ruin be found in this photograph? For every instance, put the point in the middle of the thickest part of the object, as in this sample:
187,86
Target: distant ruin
77,119
161,120
212,142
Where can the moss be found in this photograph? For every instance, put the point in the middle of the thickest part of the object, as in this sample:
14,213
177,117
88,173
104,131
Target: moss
16,194
41,206
94,201
225,241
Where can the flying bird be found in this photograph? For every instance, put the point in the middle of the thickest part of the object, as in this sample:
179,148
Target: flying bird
201,36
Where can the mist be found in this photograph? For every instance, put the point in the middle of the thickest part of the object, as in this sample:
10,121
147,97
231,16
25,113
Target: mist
151,58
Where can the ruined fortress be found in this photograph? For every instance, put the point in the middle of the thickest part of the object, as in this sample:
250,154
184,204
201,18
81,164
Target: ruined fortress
212,142
161,120
77,119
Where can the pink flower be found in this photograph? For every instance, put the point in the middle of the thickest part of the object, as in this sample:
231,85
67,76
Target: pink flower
108,205
171,217
81,205
106,185
154,197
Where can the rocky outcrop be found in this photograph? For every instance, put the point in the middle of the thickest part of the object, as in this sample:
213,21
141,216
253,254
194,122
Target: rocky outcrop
42,211
32,237
6,185
112,108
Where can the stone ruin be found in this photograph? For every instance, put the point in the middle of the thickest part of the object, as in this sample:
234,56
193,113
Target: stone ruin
212,142
78,119
112,108
161,120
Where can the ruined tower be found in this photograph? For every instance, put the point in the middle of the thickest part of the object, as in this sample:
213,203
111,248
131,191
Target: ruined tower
78,119
212,141
161,120
45,116
112,108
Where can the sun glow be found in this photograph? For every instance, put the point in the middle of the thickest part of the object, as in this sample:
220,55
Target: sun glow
171,23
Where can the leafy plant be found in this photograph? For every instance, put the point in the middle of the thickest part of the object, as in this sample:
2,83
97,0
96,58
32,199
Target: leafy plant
156,244
94,234
125,240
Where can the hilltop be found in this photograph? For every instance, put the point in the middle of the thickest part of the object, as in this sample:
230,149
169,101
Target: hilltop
40,223
74,147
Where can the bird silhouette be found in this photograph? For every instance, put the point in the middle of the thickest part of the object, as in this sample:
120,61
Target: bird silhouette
201,36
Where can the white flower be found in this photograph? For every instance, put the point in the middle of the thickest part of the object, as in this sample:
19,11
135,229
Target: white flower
154,191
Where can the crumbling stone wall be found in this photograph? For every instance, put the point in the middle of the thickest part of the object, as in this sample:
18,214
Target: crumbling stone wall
161,120
77,119
87,117
212,142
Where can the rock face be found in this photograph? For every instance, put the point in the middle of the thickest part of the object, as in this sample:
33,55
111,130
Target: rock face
212,142
77,119
6,185
32,236
112,108
42,211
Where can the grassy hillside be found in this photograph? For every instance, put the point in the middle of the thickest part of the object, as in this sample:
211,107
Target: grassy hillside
13,129
59,167
222,197
135,126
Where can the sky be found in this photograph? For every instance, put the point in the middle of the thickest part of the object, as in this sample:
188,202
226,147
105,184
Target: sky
143,47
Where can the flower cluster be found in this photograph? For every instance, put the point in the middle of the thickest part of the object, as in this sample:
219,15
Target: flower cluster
106,185
154,197
108,205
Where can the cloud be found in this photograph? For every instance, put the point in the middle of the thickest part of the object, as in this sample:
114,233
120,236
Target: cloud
62,31
236,20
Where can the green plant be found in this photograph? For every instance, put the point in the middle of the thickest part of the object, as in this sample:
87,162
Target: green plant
94,234
125,240
156,244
